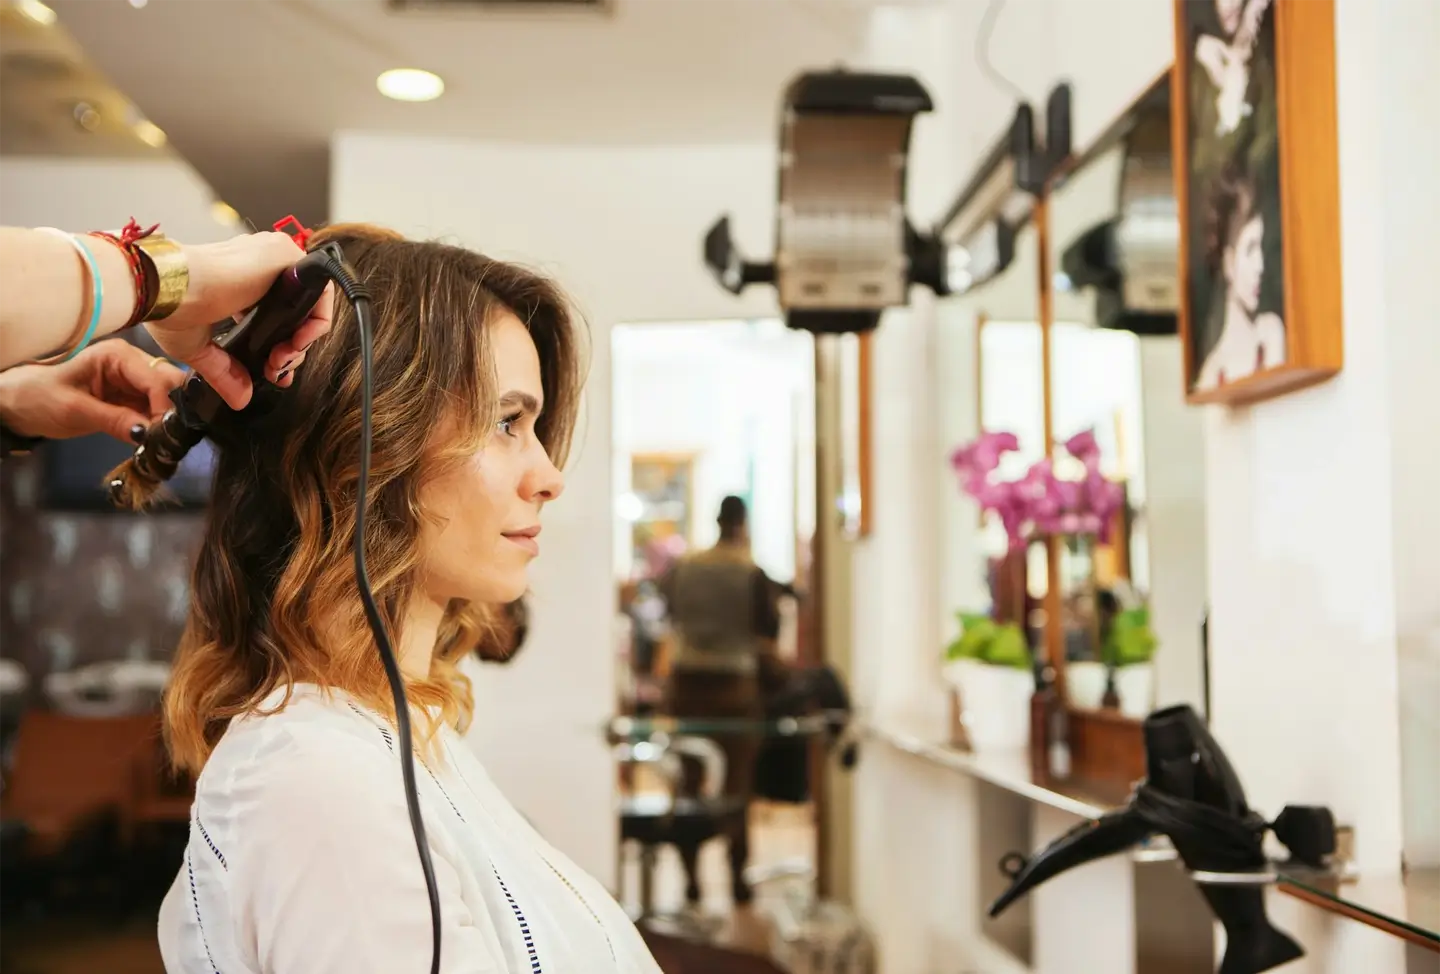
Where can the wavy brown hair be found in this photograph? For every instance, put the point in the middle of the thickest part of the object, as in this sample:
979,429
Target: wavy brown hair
274,600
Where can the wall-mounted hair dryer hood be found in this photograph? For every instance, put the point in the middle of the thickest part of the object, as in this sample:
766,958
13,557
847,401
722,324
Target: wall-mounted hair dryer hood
845,249
1131,260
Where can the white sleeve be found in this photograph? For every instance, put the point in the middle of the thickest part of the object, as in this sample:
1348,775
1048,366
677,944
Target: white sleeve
330,880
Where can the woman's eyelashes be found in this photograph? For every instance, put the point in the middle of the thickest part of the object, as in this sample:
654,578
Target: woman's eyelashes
510,425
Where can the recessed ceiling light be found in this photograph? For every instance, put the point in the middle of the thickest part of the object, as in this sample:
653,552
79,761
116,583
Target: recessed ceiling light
137,4
150,133
36,11
224,214
410,84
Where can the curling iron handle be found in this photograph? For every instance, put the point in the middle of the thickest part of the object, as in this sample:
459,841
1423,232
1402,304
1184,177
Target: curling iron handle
282,310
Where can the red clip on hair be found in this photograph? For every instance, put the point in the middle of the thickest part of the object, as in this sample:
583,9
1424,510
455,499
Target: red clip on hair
300,234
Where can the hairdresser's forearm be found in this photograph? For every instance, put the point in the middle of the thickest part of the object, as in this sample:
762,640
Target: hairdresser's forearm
44,290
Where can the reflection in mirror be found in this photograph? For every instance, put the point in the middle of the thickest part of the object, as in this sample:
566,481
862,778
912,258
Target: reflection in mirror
703,411
990,377
1118,373
713,470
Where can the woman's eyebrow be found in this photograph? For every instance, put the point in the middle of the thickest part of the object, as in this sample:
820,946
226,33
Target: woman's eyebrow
523,400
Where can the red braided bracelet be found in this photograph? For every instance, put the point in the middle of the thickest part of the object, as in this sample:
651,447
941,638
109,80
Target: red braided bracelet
139,269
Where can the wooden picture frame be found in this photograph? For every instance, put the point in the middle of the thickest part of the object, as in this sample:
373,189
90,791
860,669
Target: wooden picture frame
1257,185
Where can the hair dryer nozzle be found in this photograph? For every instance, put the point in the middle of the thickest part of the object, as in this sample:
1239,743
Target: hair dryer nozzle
1088,841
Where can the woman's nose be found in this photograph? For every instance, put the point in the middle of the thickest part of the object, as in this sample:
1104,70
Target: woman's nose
545,482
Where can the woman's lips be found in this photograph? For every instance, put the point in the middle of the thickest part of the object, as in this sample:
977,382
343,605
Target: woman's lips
526,538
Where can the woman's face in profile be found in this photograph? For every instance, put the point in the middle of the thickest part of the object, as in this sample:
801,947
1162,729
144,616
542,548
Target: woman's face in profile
483,515
1245,263
1229,12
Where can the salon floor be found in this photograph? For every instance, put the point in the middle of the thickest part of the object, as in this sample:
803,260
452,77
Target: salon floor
779,834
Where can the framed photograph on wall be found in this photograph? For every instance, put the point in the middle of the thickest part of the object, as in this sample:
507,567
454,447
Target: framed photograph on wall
1258,186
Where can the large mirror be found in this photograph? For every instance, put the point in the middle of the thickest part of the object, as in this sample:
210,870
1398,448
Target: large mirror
1134,594
713,471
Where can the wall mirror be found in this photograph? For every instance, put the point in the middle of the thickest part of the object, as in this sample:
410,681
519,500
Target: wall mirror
1132,594
990,375
714,437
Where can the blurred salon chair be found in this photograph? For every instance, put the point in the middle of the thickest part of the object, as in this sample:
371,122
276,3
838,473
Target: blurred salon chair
675,817
69,806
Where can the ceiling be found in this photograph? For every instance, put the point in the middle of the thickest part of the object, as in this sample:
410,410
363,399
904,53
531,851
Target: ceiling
250,92
54,102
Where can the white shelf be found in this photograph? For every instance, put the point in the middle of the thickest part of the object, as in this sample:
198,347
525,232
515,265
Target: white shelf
1009,770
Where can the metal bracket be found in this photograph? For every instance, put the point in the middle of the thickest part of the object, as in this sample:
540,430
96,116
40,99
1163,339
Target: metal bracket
1207,878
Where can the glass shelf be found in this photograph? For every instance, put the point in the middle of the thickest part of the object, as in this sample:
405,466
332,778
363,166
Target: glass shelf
1406,905
633,728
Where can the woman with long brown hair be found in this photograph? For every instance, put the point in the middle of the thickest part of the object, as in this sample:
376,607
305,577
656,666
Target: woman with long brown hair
1247,339
301,857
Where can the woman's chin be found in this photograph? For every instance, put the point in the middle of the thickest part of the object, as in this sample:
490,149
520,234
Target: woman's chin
503,591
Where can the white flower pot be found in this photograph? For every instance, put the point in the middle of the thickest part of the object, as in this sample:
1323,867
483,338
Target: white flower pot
1085,684
1135,685
994,703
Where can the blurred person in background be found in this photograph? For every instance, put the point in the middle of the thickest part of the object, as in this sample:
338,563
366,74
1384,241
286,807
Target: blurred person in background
724,618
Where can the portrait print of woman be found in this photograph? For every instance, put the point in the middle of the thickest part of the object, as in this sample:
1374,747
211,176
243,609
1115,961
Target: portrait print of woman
1249,339
1236,274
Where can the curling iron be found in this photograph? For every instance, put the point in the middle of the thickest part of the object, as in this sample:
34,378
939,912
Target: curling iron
273,320
197,407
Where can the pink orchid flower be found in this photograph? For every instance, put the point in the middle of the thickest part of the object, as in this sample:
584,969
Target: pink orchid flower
1083,447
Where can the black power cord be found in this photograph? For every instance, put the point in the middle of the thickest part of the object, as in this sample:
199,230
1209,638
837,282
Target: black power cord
359,299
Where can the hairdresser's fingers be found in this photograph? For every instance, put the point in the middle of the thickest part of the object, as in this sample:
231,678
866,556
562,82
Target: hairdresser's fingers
225,375
288,355
282,373
317,325
83,414
130,371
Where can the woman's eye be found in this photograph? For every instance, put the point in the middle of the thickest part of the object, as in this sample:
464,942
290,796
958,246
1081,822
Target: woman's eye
507,425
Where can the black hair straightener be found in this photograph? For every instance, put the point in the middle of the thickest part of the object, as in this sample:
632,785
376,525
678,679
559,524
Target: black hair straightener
198,407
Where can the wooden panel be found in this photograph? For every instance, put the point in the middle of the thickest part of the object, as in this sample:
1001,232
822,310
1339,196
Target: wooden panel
1106,747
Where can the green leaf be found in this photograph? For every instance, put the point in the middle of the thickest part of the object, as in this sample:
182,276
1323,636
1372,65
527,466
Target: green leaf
1008,648
982,639
1132,640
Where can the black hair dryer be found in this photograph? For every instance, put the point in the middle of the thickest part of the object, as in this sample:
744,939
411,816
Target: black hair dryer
1192,796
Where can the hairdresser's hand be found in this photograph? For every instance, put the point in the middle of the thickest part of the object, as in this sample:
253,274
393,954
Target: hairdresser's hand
226,279
111,387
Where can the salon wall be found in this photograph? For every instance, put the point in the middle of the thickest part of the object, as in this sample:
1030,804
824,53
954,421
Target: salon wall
621,228
86,588
80,194
1322,522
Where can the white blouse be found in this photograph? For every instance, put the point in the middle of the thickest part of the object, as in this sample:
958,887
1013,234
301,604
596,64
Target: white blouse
301,861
